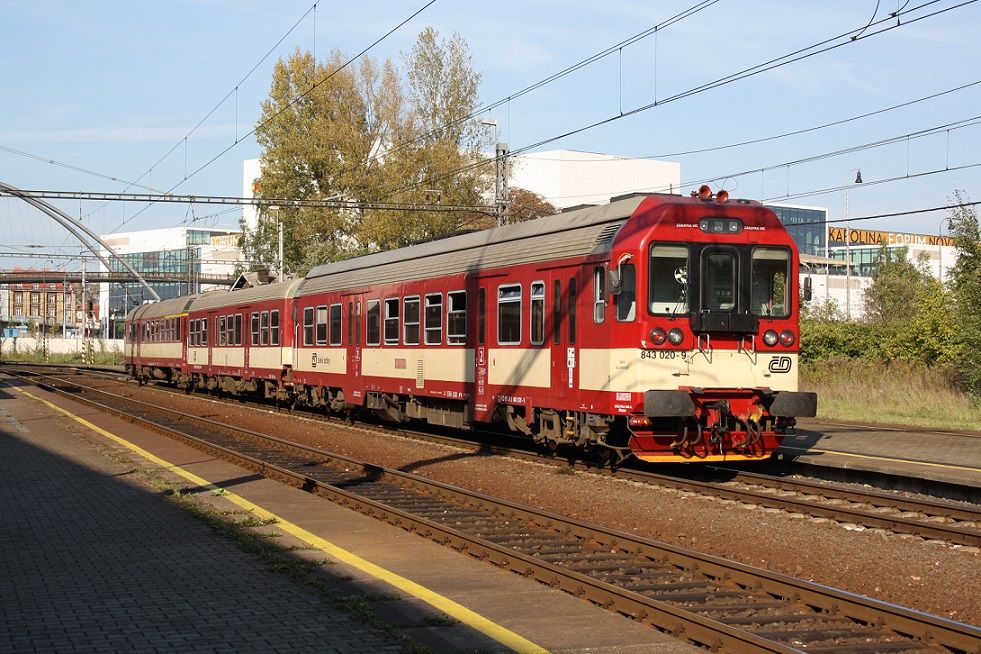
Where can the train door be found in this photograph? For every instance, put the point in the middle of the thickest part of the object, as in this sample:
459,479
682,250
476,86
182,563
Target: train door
182,337
355,337
563,296
483,400
250,327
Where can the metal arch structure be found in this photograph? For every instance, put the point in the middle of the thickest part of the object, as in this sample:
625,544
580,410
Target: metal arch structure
76,228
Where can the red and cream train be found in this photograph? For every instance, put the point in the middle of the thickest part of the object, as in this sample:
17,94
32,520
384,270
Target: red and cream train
659,325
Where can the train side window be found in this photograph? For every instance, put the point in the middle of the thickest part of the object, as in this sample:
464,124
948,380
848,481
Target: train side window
572,311
509,314
177,330
456,318
274,327
222,333
481,316
322,325
357,323
373,336
556,312
537,313
410,321
254,340
264,328
391,321
350,321
238,329
668,279
434,319
335,324
204,332
599,294
626,301
308,326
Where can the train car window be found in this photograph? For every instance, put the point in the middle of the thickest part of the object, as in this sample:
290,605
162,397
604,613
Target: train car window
238,329
373,335
481,316
537,313
456,318
322,325
204,332
556,311
410,321
335,324
274,327
391,321
599,294
221,330
626,301
177,330
264,328
350,320
572,311
770,273
718,281
254,340
434,319
308,327
509,314
669,279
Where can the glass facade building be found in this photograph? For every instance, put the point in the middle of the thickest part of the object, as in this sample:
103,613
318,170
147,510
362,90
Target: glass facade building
181,254
806,225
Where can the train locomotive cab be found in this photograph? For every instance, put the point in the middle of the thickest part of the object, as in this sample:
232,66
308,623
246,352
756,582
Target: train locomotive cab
716,337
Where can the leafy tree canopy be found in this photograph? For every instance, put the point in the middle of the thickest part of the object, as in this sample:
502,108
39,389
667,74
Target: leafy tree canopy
367,133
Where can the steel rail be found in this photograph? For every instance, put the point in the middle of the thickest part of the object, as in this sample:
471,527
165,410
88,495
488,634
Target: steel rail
550,548
870,508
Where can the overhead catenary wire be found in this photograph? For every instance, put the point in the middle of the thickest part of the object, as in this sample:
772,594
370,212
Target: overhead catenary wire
290,104
819,47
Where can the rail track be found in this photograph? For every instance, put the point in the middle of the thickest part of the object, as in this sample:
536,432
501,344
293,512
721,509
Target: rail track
955,522
706,600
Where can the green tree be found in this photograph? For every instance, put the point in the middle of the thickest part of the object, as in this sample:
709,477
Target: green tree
895,279
361,134
965,279
526,205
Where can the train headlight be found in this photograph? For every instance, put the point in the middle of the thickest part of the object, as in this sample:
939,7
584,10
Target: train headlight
676,336
787,338
770,337
658,336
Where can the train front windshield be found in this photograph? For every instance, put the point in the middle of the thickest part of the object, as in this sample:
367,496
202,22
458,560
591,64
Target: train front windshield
727,279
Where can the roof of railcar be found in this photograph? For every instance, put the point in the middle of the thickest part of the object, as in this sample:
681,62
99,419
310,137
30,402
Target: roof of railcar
172,307
261,293
576,233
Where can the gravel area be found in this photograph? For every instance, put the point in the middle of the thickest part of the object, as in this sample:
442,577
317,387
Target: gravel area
933,577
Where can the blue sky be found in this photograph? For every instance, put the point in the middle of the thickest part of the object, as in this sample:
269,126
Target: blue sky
112,87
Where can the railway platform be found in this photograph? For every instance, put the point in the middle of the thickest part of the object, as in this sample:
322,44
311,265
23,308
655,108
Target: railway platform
919,458
95,556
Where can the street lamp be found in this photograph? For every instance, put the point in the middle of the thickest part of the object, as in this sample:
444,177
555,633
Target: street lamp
940,249
848,248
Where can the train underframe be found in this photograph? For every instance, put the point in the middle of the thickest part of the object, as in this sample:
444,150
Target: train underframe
687,425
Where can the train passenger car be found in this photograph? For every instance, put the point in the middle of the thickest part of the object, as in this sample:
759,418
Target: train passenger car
655,325
153,340
240,341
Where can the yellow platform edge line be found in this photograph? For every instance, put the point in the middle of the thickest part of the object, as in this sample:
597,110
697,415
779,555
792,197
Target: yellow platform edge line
876,457
448,606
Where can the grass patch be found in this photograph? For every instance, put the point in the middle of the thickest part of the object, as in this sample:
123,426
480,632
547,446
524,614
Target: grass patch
896,393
